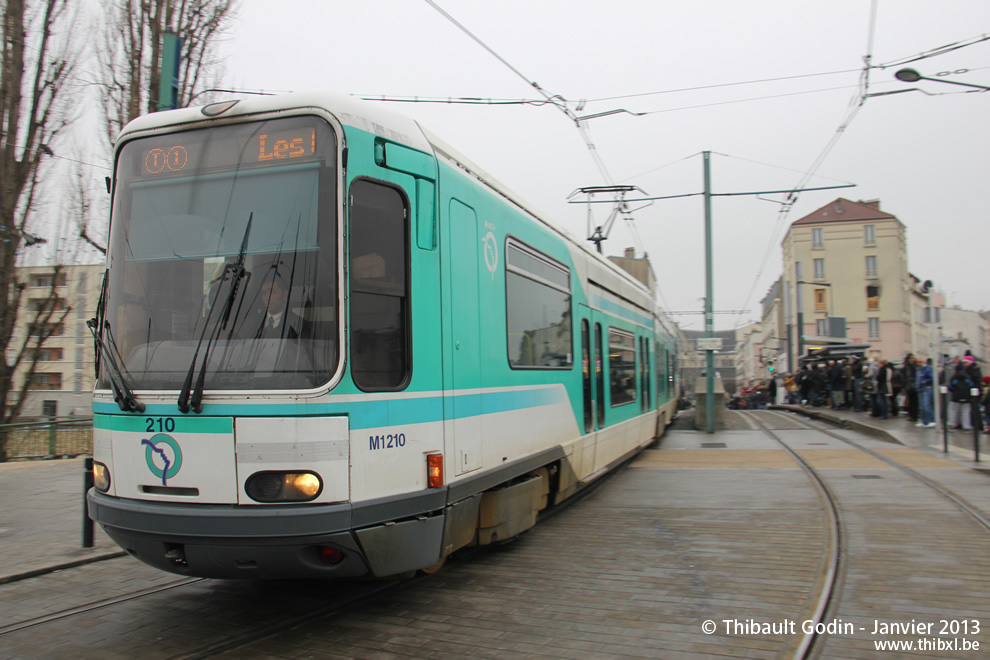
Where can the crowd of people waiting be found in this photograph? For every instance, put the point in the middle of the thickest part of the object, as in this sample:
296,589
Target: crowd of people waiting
883,389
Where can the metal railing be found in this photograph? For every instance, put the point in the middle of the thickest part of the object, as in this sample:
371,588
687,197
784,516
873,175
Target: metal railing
64,436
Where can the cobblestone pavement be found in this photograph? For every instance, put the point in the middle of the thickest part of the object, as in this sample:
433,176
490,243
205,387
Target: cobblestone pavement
41,519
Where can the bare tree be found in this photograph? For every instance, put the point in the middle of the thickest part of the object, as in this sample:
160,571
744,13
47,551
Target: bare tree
37,67
130,56
131,53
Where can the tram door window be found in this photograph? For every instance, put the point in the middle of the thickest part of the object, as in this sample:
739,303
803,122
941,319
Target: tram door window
589,400
600,374
622,366
379,276
661,358
645,361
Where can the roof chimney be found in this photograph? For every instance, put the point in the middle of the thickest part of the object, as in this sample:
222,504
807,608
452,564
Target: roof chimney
630,253
873,203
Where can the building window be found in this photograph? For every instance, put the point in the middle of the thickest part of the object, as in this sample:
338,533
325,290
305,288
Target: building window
817,237
46,381
379,242
40,305
873,297
870,234
821,302
819,269
622,366
874,328
822,329
538,309
46,280
48,330
49,355
871,266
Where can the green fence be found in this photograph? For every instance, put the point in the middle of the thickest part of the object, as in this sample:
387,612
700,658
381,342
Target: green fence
57,437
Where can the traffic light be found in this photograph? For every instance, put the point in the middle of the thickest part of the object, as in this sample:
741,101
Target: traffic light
771,368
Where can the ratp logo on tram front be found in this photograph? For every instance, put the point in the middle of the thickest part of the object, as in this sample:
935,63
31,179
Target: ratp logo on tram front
163,455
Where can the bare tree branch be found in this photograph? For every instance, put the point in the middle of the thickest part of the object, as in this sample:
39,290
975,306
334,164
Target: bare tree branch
37,67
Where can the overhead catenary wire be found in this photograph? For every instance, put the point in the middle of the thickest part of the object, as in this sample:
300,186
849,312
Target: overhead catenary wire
855,105
555,99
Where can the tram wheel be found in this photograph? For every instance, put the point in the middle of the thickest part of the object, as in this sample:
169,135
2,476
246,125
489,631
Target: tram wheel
430,570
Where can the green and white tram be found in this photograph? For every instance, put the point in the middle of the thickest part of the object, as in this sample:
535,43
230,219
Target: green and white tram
331,346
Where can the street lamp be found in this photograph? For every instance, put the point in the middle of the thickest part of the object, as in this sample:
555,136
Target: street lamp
912,76
935,348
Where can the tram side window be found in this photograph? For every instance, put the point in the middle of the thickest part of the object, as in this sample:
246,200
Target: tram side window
622,366
379,276
538,310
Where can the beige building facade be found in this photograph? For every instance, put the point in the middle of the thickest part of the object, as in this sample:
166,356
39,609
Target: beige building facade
849,260
63,379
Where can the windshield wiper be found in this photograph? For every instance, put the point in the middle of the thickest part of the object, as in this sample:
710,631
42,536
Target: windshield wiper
123,395
236,273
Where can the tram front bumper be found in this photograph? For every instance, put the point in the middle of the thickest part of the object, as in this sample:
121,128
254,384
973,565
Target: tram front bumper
268,542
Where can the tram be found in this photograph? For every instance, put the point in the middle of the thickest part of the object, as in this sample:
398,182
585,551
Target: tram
330,346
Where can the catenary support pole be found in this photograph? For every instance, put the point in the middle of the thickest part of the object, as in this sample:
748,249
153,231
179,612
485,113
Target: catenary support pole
709,303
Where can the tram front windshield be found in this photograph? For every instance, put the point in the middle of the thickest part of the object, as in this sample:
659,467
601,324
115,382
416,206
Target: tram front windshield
238,218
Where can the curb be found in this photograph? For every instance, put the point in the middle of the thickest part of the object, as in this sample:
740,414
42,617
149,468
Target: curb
868,429
14,577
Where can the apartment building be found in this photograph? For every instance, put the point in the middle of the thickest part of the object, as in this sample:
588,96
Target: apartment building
848,260
63,380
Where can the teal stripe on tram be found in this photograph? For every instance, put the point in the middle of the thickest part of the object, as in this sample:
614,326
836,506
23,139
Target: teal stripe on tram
615,308
362,414
183,424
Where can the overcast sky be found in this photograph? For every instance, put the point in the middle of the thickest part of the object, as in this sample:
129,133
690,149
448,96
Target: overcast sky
925,157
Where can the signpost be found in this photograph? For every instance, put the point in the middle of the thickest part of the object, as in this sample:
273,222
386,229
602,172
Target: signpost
709,343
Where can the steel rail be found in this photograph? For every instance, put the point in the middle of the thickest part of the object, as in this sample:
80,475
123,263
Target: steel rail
957,500
89,607
836,547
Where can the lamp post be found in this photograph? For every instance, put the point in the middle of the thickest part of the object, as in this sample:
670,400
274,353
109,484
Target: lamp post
935,335
910,75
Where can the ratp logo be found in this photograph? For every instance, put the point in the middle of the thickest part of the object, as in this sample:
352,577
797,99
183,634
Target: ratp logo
491,252
164,456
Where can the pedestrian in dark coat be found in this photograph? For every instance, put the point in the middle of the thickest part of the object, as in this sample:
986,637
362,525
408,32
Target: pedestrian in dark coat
881,398
911,386
975,376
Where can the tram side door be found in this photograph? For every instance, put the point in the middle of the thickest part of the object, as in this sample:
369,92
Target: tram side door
592,337
462,403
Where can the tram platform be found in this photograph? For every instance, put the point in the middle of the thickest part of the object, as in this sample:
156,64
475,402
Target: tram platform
902,431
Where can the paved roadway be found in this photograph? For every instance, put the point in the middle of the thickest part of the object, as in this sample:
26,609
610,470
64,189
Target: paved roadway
684,535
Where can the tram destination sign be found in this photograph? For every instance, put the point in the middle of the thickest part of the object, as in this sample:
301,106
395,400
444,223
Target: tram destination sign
709,343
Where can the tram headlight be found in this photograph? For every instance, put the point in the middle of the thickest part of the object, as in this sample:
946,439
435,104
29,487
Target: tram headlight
101,477
283,486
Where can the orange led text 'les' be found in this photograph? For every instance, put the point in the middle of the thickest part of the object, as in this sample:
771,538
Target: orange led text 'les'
292,148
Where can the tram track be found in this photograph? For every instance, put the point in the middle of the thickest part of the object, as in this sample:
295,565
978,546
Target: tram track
93,606
960,502
836,557
832,562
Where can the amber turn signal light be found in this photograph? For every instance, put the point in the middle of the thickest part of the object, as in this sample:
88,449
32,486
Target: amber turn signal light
434,470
